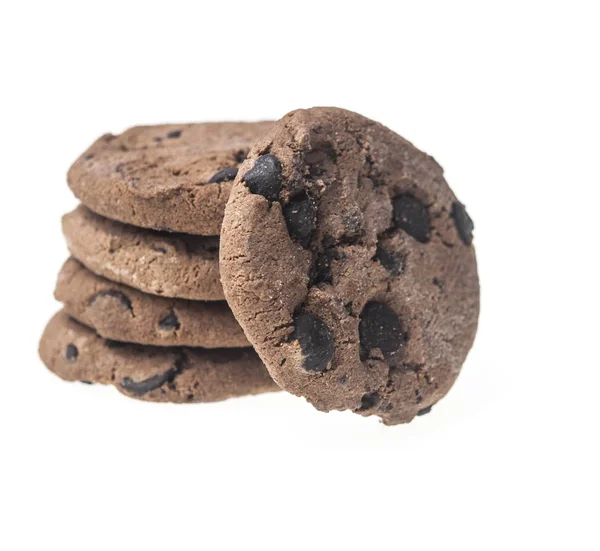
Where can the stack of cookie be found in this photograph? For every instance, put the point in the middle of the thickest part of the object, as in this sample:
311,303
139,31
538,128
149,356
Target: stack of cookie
143,306
343,254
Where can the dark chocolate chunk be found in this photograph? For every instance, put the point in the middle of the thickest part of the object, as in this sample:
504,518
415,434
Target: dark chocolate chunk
174,134
114,293
380,327
369,401
353,226
392,261
418,397
241,155
320,270
424,410
71,352
139,388
264,178
224,175
170,322
301,218
412,216
463,222
439,283
316,342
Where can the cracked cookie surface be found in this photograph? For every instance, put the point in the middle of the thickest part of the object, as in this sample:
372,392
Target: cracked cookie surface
159,263
122,313
173,177
348,261
181,375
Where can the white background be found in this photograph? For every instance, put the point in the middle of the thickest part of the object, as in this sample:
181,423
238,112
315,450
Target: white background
505,95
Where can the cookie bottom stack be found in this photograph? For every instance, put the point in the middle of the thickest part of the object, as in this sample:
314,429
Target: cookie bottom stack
150,347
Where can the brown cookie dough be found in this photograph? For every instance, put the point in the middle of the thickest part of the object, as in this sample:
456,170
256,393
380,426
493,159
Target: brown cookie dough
181,375
173,177
160,263
121,313
348,261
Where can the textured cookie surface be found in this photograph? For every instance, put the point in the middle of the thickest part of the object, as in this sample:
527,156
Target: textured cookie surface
172,177
181,375
160,263
348,262
122,313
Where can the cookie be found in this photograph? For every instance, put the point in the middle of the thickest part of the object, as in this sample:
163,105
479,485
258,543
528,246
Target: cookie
172,177
121,313
349,263
160,263
181,375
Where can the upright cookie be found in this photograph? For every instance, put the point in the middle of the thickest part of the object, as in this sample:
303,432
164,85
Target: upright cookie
121,313
348,261
160,263
172,177
181,375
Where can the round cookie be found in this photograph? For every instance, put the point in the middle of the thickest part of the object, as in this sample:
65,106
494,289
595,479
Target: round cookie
121,313
180,375
173,177
160,263
348,261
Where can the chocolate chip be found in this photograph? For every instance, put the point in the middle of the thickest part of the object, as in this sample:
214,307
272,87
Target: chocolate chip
170,322
174,134
241,155
418,397
424,410
380,327
301,218
392,261
71,352
114,293
439,283
139,388
87,382
412,216
264,178
463,222
224,175
352,226
316,342
320,270
369,401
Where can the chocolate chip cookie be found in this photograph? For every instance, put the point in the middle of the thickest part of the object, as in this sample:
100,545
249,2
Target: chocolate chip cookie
160,263
181,375
173,177
121,313
349,263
